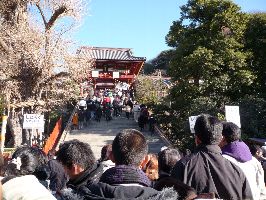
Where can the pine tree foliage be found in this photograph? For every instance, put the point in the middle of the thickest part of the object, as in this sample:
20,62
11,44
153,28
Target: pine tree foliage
211,64
209,59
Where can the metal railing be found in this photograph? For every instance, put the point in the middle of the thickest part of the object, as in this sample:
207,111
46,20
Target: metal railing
162,136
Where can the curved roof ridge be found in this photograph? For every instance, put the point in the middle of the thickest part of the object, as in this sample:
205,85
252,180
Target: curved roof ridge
109,53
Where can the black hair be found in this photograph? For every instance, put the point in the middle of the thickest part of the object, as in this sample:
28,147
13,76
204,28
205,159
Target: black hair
51,153
184,191
231,132
208,129
42,172
129,147
76,152
254,148
26,160
105,152
167,159
36,151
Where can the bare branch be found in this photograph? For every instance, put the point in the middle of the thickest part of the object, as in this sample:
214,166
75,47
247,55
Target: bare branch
55,77
4,46
55,16
42,14
34,54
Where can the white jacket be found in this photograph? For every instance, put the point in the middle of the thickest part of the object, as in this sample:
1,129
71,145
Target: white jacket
25,188
255,176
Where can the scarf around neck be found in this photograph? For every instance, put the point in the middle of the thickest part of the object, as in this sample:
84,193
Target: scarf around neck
238,150
124,174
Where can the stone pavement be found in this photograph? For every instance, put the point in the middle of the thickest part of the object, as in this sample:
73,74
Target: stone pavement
97,134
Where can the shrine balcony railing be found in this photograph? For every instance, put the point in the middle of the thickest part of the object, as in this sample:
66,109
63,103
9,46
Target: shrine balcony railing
108,76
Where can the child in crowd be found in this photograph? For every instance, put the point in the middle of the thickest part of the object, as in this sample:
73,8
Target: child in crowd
75,121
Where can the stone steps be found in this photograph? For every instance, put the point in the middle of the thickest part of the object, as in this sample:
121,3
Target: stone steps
97,134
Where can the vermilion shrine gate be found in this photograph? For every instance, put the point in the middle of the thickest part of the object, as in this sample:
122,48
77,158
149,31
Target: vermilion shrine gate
112,66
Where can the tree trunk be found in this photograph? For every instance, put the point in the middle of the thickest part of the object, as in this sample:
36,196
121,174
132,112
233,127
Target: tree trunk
15,124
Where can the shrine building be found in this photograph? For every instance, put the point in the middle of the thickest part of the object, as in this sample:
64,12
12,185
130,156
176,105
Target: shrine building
111,66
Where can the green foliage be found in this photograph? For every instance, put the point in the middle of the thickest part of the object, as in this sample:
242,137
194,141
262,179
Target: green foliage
175,121
253,116
52,117
161,62
214,44
255,40
209,49
148,89
176,129
148,68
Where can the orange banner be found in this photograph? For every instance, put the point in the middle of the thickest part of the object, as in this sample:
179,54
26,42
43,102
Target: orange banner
53,138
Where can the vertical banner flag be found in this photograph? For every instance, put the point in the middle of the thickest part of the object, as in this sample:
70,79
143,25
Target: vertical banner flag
192,121
232,115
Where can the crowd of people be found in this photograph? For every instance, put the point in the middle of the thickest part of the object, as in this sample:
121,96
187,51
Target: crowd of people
221,166
108,104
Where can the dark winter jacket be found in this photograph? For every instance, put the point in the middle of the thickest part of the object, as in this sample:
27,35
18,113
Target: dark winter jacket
107,192
120,182
58,177
206,170
124,174
86,178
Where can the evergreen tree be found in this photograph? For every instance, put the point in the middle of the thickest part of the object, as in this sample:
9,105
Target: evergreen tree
209,60
255,41
210,65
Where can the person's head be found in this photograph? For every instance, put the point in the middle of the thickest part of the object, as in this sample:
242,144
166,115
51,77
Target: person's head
256,151
186,152
51,154
129,148
25,161
167,159
76,157
150,167
231,133
263,147
105,152
208,130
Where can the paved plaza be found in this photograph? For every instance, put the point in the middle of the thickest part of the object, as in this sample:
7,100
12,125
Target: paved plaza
97,134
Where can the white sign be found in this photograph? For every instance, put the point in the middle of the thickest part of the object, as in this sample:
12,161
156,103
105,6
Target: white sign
232,115
192,121
115,74
95,74
33,121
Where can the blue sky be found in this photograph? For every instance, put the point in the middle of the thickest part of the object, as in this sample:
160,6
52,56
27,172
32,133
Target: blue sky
138,24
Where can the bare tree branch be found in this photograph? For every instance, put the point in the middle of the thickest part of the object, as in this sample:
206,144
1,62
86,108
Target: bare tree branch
42,14
55,16
29,65
55,77
4,46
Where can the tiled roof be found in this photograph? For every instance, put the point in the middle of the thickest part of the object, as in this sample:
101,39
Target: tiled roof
103,53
